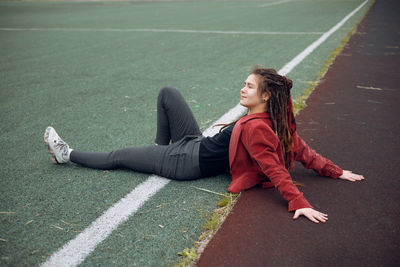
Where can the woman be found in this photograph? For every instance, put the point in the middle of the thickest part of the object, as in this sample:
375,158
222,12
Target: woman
257,149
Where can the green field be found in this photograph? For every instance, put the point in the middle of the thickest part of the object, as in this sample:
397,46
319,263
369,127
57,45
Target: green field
93,71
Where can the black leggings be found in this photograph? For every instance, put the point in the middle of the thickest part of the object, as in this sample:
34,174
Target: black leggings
178,140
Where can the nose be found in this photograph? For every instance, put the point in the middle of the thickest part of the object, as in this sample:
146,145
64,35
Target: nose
243,90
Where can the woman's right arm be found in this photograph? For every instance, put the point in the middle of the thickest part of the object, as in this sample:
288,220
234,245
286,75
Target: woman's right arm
261,144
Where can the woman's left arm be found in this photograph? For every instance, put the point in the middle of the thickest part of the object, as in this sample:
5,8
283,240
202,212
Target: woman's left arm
312,160
323,166
261,144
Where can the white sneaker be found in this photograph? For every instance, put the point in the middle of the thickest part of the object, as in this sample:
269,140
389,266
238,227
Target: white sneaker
59,150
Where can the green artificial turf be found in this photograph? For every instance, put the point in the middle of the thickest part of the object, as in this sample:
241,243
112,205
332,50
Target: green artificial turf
98,89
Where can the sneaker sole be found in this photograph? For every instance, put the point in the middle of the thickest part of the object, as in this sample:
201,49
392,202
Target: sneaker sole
49,150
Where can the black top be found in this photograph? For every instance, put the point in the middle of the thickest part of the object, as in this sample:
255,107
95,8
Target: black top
214,153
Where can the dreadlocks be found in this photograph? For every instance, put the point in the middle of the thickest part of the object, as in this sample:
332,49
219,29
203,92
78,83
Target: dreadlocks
279,107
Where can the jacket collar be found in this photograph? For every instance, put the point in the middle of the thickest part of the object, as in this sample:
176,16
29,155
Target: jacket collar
246,118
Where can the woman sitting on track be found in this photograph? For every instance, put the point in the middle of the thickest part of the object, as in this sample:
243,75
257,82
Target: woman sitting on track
259,148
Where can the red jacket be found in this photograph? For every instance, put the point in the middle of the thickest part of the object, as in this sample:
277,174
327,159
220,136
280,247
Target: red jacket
255,156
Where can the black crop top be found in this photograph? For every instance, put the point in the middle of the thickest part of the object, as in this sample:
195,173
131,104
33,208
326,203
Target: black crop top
214,153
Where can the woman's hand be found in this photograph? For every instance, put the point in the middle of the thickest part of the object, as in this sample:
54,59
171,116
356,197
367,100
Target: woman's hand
349,175
311,214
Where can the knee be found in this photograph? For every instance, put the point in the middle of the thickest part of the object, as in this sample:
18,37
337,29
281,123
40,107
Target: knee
167,91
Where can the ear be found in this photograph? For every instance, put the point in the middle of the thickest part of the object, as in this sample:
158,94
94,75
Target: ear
265,96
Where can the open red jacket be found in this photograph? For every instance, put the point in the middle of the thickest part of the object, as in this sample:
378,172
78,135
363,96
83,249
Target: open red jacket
255,157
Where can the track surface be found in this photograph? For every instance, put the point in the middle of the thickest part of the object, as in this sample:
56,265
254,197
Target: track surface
351,118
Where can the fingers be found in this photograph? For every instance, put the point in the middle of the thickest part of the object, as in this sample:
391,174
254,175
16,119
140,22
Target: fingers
311,218
322,217
355,177
349,175
318,217
312,215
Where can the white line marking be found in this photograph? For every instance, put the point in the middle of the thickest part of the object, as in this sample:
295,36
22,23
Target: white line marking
155,30
76,250
275,3
294,62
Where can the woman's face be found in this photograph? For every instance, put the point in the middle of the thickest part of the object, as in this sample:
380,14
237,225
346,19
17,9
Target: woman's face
249,96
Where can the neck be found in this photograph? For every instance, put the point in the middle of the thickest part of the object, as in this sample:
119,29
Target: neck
256,110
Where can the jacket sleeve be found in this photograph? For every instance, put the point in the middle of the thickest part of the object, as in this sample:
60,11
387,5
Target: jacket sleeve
312,160
262,144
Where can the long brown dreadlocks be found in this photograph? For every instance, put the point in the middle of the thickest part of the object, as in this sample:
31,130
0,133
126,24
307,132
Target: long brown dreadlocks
279,107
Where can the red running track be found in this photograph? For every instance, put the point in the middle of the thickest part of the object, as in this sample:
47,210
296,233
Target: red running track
357,127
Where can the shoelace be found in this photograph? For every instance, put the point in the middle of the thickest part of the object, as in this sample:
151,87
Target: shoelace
62,146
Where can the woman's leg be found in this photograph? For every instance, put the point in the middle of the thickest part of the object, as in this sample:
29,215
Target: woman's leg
141,159
175,120
178,161
174,117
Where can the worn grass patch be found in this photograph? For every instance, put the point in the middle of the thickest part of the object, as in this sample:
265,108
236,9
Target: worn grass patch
215,219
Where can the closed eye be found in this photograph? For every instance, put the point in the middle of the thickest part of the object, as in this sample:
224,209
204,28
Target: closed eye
249,85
